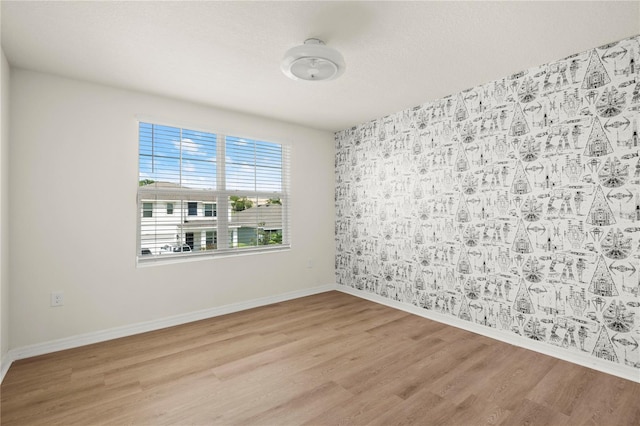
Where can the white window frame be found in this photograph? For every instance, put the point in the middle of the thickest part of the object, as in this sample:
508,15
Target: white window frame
221,204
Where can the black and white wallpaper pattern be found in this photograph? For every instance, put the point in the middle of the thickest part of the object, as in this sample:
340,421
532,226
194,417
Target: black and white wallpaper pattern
514,205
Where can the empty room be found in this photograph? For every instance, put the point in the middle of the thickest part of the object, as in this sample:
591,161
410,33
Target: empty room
320,212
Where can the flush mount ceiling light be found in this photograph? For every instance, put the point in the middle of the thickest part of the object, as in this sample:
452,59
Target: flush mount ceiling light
312,61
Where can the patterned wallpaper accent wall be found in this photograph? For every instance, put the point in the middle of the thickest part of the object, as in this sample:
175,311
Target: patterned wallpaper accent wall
514,205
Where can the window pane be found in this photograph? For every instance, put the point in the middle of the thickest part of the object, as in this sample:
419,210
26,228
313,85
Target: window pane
211,240
174,158
161,233
256,221
178,233
147,210
159,155
253,165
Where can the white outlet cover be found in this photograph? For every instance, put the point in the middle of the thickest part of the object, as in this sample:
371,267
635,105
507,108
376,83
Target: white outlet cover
57,298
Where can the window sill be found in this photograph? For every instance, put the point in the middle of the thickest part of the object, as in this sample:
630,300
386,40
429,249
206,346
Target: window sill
153,260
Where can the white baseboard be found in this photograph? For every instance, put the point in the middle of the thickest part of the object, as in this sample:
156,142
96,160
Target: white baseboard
143,327
624,371
4,366
585,360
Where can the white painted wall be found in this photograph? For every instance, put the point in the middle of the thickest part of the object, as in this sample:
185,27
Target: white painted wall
74,170
4,208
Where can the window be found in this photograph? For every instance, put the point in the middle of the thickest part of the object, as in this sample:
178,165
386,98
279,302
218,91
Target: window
190,239
210,211
147,209
241,185
211,240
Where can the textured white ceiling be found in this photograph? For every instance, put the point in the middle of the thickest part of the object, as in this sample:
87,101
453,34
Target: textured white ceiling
227,54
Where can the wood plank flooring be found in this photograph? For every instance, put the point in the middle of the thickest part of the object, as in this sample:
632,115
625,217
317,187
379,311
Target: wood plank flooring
327,359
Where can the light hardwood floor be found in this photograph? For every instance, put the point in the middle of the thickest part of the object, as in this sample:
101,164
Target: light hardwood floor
326,359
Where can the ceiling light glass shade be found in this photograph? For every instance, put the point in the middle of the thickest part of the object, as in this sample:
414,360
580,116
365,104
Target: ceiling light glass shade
312,61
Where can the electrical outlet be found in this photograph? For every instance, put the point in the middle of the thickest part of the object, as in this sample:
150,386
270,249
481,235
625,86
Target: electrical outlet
309,263
57,298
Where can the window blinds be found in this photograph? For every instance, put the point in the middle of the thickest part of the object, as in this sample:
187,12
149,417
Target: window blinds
202,193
